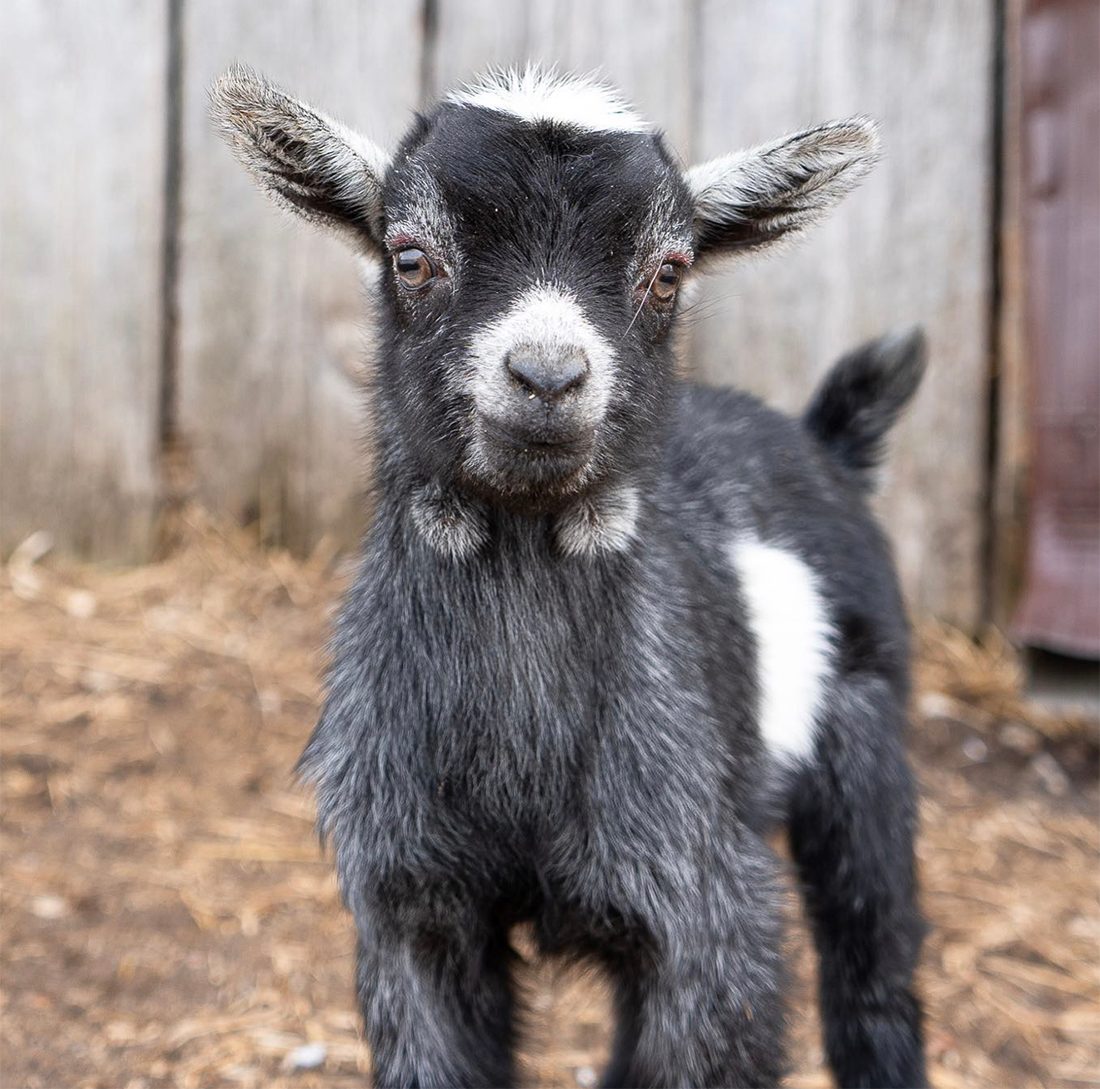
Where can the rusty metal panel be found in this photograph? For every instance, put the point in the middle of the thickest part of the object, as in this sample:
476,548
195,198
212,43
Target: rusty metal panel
1059,55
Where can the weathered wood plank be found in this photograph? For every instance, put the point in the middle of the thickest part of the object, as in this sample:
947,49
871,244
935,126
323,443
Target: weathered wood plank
271,315
912,245
471,35
1008,530
82,107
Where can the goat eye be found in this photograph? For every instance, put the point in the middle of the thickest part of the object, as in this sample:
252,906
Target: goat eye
413,267
666,282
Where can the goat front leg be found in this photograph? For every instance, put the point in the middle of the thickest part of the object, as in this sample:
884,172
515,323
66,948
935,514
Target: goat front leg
852,820
435,990
697,993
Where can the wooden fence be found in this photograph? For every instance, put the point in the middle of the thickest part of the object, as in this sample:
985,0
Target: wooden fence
149,297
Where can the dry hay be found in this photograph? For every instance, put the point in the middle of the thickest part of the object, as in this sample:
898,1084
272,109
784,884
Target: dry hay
984,681
169,920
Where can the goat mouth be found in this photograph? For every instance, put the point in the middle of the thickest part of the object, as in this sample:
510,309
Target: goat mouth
540,443
531,469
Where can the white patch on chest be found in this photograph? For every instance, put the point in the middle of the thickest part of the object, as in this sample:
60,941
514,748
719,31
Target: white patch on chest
536,94
794,643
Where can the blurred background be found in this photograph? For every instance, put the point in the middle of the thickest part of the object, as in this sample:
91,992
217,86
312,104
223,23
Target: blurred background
181,473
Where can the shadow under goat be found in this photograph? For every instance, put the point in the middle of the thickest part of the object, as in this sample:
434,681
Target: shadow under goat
608,627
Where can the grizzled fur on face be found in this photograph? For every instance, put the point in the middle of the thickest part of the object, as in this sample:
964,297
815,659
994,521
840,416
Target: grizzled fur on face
534,363
607,626
545,237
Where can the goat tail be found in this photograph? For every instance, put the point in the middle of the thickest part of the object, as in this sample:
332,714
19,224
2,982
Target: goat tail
863,395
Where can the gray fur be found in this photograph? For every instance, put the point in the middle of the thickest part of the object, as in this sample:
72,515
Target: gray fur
306,162
754,198
549,678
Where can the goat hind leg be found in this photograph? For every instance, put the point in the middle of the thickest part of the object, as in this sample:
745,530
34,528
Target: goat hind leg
851,826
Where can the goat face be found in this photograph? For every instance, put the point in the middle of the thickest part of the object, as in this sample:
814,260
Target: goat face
536,232
535,268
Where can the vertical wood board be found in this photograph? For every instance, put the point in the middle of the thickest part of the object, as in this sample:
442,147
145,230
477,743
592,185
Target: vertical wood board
82,120
1008,507
471,35
272,318
912,245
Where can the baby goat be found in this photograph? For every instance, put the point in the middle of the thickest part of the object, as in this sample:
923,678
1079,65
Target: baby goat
607,625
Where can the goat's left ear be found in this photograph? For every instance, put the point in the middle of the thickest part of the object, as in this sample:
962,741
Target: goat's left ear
306,162
749,199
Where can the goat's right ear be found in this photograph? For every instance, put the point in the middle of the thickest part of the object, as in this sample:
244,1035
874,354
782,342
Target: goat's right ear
303,160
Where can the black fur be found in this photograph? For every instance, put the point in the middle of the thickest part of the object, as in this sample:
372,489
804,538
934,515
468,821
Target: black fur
863,396
544,699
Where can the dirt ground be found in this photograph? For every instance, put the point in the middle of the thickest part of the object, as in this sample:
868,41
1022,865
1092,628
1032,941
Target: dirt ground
169,920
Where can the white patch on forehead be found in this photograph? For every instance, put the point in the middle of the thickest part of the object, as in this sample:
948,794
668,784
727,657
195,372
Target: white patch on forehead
547,318
794,643
537,94
603,522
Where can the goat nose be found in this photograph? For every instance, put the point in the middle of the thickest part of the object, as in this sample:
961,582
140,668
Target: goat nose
546,375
